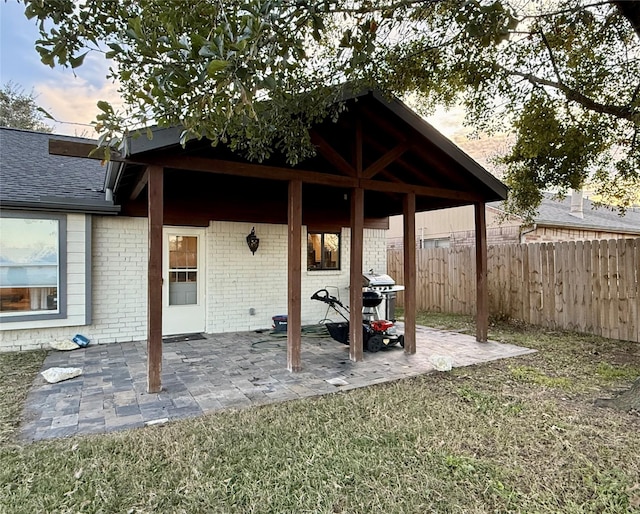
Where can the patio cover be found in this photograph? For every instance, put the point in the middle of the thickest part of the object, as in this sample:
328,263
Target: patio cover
379,155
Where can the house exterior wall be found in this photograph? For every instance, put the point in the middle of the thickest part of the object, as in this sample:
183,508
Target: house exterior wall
555,234
447,223
236,281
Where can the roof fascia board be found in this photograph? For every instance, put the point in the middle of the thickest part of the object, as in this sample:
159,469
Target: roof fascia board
162,137
63,205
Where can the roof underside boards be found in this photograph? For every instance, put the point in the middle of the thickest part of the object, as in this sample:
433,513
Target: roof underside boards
31,178
381,146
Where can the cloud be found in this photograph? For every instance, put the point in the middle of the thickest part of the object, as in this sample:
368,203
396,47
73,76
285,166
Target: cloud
72,99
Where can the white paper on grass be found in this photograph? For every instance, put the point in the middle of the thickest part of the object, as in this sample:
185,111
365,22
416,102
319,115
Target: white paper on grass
442,362
54,375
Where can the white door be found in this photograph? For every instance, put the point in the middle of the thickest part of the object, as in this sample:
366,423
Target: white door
183,289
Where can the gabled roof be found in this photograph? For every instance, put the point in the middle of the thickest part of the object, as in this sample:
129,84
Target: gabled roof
555,212
31,178
399,153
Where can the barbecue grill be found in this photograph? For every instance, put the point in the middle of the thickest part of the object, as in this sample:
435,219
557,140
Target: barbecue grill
385,286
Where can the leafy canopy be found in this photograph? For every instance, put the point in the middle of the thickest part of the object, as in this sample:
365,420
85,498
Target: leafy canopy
19,110
564,75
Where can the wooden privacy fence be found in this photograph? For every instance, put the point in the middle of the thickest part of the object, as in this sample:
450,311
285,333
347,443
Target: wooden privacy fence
586,286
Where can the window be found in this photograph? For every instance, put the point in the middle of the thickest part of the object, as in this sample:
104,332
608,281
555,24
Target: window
323,251
442,242
32,258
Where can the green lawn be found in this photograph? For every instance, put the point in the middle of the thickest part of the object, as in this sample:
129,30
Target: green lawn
516,435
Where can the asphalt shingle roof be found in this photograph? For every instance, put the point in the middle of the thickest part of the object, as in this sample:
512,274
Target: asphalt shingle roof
29,174
556,212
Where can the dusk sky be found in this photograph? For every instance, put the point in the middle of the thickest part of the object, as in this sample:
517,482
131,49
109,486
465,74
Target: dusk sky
68,98
72,98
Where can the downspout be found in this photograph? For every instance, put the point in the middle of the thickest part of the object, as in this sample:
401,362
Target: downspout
111,179
525,232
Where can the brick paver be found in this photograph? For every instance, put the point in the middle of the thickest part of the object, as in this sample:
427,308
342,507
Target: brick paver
220,372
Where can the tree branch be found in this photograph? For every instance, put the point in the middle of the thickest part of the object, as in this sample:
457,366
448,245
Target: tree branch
620,111
631,11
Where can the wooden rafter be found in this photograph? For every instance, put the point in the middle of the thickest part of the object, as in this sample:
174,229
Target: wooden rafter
140,184
415,172
385,160
331,155
432,160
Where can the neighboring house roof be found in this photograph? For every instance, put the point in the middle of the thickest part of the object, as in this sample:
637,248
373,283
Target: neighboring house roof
557,213
31,178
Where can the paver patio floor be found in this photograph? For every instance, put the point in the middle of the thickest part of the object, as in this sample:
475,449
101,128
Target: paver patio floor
221,371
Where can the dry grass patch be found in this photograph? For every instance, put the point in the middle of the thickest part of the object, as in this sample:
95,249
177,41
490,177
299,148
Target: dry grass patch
17,371
478,439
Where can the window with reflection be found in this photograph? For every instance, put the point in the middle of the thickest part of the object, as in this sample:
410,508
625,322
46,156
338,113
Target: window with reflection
323,251
29,265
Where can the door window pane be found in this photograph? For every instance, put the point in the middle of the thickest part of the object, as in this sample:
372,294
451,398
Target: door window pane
183,270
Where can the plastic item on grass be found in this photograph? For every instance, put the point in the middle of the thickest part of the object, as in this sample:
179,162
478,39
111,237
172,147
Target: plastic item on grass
441,362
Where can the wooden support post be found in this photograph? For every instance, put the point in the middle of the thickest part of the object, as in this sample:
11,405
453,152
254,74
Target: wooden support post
294,320
482,289
154,298
410,306
355,275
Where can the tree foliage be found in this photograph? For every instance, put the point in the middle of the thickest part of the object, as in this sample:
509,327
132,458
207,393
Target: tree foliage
255,74
19,110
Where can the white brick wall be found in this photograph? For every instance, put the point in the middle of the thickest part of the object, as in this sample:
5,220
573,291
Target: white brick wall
236,281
